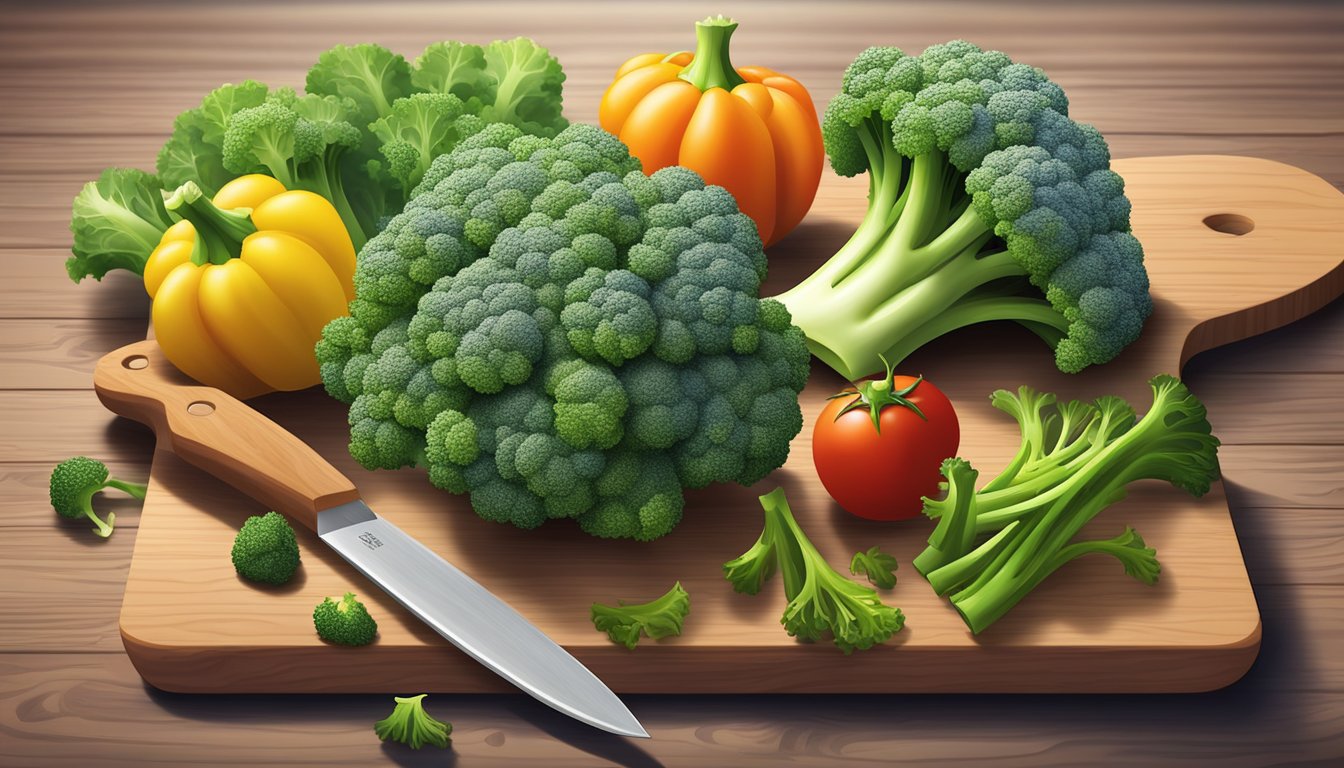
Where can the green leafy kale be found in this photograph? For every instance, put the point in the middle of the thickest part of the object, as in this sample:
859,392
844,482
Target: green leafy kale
659,618
821,600
117,222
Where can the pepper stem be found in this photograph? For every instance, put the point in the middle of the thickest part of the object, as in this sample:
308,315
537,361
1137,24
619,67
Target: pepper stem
711,68
873,396
219,233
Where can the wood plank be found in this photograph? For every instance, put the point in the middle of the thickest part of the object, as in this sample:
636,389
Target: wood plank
1304,410
1310,345
59,354
93,710
1291,546
37,286
1278,474
62,585
53,425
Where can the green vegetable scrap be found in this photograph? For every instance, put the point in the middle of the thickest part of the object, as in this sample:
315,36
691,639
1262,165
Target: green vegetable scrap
876,565
820,599
557,334
986,202
991,548
663,617
117,221
73,484
265,550
411,725
345,621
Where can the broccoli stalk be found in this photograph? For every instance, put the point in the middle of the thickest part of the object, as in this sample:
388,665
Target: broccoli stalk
73,484
990,549
986,202
411,725
656,619
820,599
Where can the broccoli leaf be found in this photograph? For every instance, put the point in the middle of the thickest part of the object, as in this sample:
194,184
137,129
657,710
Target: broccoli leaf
656,619
195,150
878,566
117,222
371,76
526,81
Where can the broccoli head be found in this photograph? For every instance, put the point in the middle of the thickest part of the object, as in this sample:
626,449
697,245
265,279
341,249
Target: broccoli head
986,202
556,334
73,484
265,550
345,621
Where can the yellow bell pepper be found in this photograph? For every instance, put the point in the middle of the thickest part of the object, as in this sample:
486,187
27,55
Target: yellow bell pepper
243,284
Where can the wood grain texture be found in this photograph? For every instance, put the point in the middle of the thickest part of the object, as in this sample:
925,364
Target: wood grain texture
1198,630
64,709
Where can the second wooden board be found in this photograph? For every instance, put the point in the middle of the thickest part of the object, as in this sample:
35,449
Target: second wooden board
1235,247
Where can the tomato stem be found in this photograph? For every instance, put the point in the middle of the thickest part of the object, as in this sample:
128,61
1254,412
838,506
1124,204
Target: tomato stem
879,394
711,68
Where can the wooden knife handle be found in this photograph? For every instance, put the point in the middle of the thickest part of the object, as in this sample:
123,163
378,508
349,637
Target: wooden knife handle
220,434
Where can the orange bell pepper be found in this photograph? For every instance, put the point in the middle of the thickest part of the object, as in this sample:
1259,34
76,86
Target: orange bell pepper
751,130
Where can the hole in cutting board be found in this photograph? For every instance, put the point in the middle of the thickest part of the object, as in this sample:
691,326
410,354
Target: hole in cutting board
1229,223
201,408
136,362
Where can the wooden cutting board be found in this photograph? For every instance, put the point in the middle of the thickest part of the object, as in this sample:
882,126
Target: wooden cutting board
1235,247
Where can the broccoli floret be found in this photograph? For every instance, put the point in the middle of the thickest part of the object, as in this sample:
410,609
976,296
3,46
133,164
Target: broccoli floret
820,599
878,566
991,548
265,549
656,619
345,621
411,725
986,202
73,484
560,336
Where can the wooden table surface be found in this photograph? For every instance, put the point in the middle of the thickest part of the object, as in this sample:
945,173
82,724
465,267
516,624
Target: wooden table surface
83,87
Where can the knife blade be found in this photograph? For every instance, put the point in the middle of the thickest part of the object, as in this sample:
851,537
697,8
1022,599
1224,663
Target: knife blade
223,436
470,617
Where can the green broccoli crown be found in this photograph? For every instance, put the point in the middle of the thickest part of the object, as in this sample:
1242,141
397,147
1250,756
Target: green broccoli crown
265,549
345,621
564,336
971,156
991,547
411,725
625,622
73,483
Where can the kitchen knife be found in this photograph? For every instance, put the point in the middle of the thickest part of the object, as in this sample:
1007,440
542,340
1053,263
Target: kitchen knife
223,436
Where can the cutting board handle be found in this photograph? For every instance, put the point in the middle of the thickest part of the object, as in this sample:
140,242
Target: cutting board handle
220,434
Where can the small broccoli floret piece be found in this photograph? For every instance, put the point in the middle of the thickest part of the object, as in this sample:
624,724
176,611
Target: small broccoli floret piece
265,549
993,547
411,725
986,202
73,484
656,619
345,621
876,565
821,600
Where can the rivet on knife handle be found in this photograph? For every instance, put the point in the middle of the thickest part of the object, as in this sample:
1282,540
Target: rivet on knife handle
220,434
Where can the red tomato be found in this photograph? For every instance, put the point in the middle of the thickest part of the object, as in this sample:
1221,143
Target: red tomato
882,473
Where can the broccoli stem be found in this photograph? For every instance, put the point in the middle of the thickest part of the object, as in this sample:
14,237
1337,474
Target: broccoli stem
711,67
326,181
219,233
137,490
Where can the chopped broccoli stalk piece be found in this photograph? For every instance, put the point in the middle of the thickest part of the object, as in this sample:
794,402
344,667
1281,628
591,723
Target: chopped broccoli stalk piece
265,549
73,484
876,565
991,548
345,621
821,600
656,619
986,202
411,725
